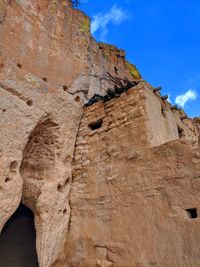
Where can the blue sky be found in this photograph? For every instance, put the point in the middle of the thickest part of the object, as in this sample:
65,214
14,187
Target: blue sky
161,37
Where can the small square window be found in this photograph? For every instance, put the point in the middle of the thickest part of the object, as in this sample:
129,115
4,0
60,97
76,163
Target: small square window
192,213
96,124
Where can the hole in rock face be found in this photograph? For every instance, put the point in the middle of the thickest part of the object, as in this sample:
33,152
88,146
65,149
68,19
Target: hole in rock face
61,188
163,112
45,79
19,65
18,240
77,98
180,132
65,87
192,213
29,103
116,70
7,180
64,211
96,124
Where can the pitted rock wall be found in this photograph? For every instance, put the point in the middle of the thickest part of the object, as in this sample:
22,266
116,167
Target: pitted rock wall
49,67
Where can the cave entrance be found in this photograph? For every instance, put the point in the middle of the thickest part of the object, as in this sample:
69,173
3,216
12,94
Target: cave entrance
18,240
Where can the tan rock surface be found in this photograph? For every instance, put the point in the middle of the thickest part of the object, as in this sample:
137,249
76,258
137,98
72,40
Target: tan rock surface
109,184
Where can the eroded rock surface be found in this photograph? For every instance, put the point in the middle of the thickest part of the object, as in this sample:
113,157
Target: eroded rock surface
112,184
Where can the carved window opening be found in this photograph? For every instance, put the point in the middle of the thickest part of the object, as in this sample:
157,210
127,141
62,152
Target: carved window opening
96,124
18,240
192,213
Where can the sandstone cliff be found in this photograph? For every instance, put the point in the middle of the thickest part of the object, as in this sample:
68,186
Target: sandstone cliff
114,183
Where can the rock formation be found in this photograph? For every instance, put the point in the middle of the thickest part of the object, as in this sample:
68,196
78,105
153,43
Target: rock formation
115,183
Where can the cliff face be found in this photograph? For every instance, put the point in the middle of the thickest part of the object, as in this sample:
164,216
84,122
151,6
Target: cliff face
111,184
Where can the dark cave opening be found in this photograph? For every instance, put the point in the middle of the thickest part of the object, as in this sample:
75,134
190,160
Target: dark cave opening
18,240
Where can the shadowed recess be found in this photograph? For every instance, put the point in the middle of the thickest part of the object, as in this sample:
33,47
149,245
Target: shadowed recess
18,240
39,153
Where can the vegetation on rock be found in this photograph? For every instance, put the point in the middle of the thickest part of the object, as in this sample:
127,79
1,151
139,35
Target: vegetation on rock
133,70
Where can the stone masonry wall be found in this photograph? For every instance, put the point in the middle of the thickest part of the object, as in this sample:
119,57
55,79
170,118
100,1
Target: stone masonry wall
129,202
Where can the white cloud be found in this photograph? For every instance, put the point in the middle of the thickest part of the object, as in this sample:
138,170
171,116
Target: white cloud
100,22
181,100
169,98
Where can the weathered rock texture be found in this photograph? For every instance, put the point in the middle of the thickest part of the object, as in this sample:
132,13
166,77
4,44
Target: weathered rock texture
109,184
